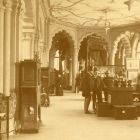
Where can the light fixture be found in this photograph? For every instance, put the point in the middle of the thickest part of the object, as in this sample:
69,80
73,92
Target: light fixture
107,22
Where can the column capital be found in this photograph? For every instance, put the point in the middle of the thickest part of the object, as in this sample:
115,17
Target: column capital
1,6
8,5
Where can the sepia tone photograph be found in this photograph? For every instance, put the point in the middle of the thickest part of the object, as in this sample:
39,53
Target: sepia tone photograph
70,69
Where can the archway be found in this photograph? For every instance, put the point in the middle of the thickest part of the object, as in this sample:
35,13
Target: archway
126,52
93,51
61,57
125,46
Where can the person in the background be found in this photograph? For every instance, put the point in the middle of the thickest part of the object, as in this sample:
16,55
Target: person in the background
97,86
85,87
59,85
77,83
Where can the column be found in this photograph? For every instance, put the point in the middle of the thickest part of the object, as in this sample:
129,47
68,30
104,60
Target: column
13,45
74,68
70,72
22,48
1,46
7,31
47,40
36,43
32,46
28,46
20,12
47,56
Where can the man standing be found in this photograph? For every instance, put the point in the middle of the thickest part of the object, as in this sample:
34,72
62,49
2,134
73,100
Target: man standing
85,87
77,83
96,87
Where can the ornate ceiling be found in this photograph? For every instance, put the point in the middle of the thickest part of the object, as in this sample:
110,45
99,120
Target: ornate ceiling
97,13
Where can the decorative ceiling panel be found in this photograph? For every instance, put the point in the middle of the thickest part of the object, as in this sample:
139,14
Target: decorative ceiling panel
96,12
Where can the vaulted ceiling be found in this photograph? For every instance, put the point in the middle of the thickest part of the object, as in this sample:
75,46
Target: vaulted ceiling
97,13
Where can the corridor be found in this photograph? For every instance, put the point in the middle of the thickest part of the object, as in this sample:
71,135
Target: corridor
65,120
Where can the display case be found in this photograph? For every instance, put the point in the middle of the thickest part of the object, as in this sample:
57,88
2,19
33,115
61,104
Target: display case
30,90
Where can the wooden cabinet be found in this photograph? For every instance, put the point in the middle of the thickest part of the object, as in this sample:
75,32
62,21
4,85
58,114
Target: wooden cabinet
30,73
30,90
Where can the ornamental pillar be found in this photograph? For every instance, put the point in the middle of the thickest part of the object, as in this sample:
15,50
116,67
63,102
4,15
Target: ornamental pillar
1,46
7,31
75,66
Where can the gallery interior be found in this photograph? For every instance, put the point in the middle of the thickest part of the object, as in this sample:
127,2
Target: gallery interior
41,40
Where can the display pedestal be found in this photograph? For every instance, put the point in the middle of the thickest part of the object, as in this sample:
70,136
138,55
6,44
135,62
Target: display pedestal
120,96
121,100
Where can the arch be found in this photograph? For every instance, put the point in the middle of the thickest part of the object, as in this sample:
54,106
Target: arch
63,42
65,34
130,39
61,30
89,34
127,35
121,37
134,44
100,44
124,35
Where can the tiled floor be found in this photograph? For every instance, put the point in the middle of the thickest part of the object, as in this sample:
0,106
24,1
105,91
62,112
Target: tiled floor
65,120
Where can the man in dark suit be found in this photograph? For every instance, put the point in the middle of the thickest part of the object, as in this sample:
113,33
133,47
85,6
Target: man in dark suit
96,87
85,87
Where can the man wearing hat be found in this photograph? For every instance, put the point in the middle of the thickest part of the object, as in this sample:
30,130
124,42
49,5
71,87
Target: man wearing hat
85,87
96,87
